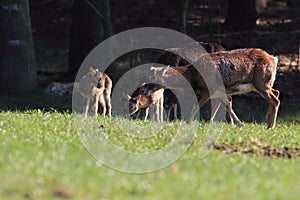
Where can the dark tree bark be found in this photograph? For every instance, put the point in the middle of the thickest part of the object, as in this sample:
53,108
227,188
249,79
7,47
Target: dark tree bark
183,7
90,25
17,61
293,3
241,15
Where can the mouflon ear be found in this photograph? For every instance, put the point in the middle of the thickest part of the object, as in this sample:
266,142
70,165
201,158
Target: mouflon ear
142,88
155,69
100,74
129,97
152,68
132,99
165,70
93,71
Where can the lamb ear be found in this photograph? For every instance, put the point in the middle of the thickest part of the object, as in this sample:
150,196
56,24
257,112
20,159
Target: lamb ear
129,97
165,70
92,71
152,68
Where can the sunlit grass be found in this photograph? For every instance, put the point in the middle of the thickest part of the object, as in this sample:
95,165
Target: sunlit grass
42,157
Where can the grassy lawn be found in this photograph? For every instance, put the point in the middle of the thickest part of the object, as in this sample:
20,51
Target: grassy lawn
42,157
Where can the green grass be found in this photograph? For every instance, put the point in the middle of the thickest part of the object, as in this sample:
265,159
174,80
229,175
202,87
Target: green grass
42,157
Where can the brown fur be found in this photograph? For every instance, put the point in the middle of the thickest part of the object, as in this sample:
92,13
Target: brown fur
96,86
236,67
105,99
150,95
171,58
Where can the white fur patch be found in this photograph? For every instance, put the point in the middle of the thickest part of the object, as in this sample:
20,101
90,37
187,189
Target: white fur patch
218,94
240,89
246,87
243,89
276,62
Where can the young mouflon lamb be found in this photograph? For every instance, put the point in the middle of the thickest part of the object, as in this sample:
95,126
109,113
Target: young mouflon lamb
96,86
149,96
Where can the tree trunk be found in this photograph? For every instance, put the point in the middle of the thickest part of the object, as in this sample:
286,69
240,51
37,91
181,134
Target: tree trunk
108,30
17,60
293,3
90,25
241,15
183,7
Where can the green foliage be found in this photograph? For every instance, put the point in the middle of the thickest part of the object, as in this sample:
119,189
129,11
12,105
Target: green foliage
42,157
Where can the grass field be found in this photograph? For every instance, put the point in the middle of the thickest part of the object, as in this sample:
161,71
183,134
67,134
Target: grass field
42,157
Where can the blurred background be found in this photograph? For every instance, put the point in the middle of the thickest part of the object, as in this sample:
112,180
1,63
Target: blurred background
45,41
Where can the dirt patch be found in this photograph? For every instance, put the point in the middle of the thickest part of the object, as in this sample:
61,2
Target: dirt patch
254,147
64,193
